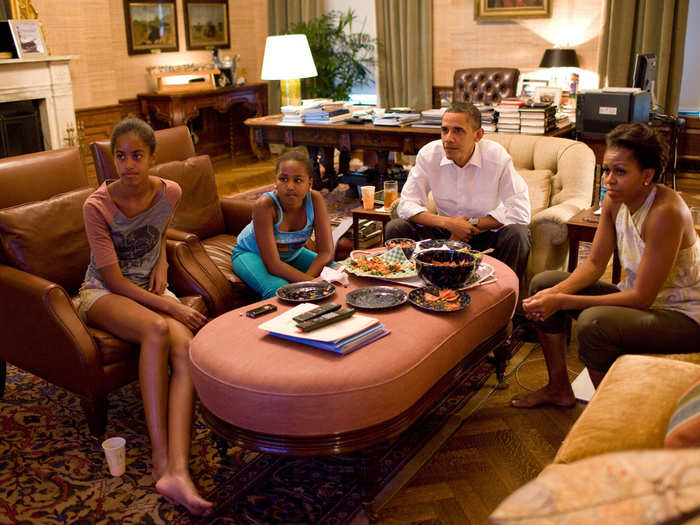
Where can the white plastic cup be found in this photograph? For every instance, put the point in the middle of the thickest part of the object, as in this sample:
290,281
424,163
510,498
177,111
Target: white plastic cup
367,197
115,452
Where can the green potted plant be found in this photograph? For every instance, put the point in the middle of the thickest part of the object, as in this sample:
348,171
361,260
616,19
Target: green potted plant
342,57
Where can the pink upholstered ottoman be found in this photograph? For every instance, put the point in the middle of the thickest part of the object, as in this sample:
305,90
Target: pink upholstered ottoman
279,396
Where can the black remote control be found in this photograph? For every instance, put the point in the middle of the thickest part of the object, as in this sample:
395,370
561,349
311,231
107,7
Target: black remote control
325,319
319,310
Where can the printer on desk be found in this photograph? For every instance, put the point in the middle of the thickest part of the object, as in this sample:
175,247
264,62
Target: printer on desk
598,111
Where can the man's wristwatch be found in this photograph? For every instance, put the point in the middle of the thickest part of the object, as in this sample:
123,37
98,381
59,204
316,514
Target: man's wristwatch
474,221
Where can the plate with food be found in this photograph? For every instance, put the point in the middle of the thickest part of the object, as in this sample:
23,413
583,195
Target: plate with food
391,264
305,292
439,300
376,297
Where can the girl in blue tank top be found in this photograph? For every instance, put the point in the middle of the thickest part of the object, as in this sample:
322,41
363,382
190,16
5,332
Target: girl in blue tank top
270,250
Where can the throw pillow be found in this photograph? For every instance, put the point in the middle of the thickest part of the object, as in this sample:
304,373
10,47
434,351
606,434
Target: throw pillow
684,426
199,211
630,487
539,186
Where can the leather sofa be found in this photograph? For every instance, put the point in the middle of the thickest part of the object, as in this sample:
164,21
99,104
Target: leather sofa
484,85
612,466
44,253
559,174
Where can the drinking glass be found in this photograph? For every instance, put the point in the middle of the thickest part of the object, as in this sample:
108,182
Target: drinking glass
391,192
367,197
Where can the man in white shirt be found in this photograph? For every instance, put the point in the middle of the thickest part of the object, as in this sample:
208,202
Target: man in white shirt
480,198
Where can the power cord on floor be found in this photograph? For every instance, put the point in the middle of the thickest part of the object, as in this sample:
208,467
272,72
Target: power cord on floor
516,371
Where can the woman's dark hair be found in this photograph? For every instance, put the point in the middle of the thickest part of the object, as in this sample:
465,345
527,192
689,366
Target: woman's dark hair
298,156
135,125
649,148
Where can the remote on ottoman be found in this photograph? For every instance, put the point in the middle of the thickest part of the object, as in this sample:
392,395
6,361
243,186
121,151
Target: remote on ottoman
325,319
319,310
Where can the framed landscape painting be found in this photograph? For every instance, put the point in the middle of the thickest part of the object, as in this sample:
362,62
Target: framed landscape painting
498,10
206,24
150,26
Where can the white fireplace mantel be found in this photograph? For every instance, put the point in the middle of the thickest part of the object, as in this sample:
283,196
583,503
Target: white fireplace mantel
47,79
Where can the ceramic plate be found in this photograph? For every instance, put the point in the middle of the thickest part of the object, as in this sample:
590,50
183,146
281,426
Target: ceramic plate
429,244
395,255
484,271
417,298
305,292
376,297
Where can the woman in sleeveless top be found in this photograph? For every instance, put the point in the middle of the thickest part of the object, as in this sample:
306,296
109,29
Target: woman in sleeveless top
269,252
656,308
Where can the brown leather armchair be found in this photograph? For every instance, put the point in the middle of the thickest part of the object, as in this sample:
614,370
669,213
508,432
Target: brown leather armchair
171,144
484,85
44,253
207,223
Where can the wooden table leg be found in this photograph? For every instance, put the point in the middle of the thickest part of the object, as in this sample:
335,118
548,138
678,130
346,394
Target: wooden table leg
329,165
573,252
313,153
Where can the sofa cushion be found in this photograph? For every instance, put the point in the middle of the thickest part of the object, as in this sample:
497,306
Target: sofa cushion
539,187
47,238
199,212
684,426
624,487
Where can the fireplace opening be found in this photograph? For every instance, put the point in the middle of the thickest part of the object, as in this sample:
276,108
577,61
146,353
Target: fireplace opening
20,128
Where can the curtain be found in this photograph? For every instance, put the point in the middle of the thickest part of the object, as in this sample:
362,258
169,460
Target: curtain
405,64
644,26
281,15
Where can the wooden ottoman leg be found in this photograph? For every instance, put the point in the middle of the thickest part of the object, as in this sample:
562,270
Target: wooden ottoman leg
367,470
501,357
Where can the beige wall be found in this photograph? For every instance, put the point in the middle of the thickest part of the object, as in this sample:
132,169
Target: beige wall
460,41
105,72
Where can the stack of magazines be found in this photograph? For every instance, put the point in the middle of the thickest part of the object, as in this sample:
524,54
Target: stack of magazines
430,118
396,119
326,113
341,338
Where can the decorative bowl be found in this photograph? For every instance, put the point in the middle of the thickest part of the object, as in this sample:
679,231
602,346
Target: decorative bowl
446,268
429,244
407,245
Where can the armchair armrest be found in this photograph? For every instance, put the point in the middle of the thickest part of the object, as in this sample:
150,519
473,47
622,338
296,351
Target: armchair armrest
43,334
179,235
555,218
237,214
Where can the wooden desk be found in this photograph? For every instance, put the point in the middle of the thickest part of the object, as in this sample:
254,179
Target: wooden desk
323,139
581,228
373,215
222,111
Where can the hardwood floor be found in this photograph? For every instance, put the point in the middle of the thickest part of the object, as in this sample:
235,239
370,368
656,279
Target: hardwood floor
498,448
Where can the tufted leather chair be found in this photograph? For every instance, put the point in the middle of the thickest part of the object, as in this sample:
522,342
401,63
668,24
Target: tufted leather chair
44,253
484,85
171,144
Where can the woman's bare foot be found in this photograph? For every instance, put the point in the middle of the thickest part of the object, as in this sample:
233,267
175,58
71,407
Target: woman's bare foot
180,490
543,396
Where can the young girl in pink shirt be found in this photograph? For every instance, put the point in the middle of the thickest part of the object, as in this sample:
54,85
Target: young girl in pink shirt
125,293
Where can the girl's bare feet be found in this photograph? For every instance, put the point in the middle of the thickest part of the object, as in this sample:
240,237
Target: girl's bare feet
180,490
547,395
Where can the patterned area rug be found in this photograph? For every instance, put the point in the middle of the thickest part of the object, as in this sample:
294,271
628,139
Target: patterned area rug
53,471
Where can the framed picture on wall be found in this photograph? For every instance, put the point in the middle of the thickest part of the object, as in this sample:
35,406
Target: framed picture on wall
29,40
206,24
494,10
151,27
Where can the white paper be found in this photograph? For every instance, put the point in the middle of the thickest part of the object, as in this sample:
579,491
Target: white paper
340,230
583,386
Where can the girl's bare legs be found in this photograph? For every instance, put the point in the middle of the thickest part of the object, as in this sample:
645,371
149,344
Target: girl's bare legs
558,391
161,395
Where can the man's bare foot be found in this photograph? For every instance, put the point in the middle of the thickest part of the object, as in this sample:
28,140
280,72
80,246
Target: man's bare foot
180,490
543,396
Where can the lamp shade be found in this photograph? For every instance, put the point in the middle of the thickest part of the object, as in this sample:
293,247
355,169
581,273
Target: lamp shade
559,58
287,57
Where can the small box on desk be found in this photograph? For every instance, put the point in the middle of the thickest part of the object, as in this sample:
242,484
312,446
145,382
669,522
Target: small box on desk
600,111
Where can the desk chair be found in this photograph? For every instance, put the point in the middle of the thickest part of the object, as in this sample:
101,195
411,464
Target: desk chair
484,85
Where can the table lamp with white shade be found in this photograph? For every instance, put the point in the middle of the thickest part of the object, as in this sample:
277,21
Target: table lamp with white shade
288,59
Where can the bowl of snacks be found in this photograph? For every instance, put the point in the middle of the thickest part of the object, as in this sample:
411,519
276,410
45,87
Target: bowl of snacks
407,245
449,244
446,268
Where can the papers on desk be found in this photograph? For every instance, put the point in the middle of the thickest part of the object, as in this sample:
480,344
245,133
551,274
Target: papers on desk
341,338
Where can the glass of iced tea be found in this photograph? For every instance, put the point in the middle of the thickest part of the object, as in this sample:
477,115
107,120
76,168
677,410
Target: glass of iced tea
391,192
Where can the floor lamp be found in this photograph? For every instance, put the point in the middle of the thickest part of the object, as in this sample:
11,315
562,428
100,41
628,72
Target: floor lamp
288,59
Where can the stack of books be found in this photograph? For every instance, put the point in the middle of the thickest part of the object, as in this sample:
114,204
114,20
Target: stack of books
326,113
340,338
508,111
294,114
488,117
537,118
430,118
396,119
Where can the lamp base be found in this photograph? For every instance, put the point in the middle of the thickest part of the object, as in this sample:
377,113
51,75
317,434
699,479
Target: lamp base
291,92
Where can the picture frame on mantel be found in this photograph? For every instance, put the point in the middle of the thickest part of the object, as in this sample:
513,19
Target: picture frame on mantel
151,27
207,24
500,10
28,38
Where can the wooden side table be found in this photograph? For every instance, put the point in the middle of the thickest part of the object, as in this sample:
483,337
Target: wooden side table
377,214
581,228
